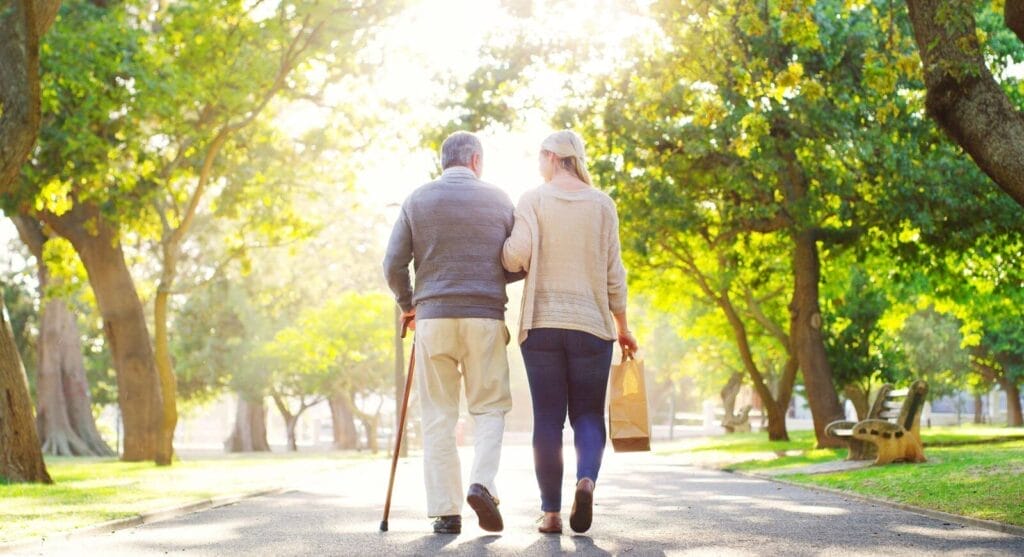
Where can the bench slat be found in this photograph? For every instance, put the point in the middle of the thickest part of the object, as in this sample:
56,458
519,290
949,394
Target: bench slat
887,415
898,392
842,432
893,405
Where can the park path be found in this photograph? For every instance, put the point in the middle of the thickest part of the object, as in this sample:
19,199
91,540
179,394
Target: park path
645,505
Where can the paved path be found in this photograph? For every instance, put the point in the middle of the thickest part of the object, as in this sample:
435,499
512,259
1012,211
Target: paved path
645,505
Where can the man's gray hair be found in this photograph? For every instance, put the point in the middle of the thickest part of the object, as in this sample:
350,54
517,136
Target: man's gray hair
458,149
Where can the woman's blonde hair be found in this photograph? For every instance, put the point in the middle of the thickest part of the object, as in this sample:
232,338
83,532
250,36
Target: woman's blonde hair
568,147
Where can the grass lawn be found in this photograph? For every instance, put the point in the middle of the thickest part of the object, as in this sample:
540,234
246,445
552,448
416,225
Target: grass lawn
971,471
89,491
980,481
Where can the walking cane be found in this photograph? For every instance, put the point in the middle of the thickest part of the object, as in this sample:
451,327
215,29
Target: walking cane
401,428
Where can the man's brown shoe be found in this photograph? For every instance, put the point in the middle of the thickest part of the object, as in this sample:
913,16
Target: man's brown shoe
550,524
583,507
486,507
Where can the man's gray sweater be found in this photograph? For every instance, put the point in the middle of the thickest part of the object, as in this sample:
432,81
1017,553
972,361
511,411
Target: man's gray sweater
452,230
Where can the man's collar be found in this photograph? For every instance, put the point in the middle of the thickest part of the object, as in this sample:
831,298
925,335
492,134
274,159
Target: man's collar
461,171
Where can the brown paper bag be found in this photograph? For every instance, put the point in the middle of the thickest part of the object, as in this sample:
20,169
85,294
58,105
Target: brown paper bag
628,425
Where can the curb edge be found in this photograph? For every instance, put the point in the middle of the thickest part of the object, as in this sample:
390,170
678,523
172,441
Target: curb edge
930,513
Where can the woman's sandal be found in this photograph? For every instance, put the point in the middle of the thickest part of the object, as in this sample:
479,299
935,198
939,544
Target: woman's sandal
583,507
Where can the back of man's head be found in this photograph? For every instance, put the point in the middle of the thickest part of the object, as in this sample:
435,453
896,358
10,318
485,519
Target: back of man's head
458,150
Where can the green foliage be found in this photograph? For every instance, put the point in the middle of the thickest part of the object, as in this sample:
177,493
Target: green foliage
90,143
860,350
932,342
342,346
744,124
212,343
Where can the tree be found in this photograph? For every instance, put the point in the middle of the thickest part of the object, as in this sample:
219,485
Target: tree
963,95
64,408
340,351
734,153
771,119
862,351
266,54
990,294
706,266
87,132
170,159
999,358
23,22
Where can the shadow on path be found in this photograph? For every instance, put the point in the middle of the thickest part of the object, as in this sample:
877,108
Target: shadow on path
643,506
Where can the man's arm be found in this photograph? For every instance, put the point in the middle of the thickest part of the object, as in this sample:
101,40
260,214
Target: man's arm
396,262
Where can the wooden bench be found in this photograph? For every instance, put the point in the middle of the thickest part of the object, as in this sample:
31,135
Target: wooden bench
842,429
892,430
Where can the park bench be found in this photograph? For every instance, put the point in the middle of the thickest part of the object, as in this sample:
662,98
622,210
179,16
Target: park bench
842,429
892,429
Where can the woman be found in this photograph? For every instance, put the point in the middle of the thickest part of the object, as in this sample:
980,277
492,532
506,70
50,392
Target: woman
566,237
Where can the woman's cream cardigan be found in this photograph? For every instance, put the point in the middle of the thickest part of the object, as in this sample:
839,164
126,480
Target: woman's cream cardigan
568,244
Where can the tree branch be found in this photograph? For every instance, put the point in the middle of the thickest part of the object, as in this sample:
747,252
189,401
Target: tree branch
963,97
773,328
1013,15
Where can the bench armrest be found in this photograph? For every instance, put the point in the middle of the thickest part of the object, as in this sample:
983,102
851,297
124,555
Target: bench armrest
831,428
878,426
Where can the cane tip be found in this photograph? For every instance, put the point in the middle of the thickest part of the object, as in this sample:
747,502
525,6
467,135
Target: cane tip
383,526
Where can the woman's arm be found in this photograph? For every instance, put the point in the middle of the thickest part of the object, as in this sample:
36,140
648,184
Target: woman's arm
617,285
518,248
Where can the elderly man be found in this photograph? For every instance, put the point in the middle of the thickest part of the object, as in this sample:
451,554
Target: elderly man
453,230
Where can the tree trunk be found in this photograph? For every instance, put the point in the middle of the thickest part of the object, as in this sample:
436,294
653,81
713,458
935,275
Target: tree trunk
729,393
371,423
290,420
672,411
776,419
64,417
859,398
22,23
805,328
66,424
979,416
250,431
21,459
1013,407
963,97
165,372
124,324
343,423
